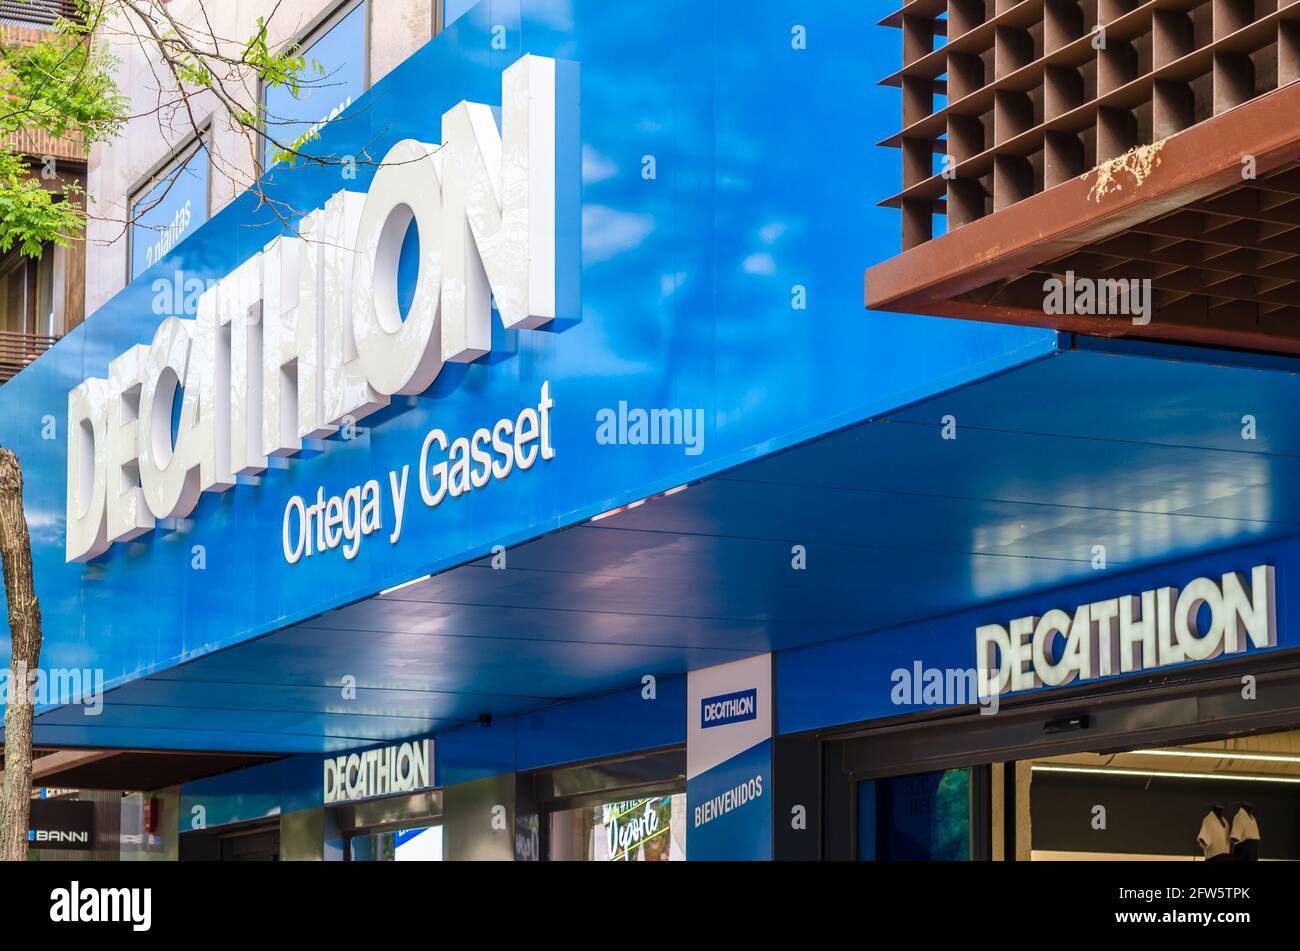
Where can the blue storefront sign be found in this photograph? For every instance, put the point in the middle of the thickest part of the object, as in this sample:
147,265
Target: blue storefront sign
684,234
1151,622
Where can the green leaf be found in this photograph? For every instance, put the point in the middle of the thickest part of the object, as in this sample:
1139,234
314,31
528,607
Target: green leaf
32,216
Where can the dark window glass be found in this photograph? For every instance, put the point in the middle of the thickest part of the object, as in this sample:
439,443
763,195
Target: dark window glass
922,817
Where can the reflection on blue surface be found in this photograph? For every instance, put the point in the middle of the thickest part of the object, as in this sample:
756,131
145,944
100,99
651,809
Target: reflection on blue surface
341,56
170,210
408,268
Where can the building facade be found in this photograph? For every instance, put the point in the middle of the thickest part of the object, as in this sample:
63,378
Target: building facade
543,490
174,165
42,298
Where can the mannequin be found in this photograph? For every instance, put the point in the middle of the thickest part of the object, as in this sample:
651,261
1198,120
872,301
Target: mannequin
1213,837
1245,834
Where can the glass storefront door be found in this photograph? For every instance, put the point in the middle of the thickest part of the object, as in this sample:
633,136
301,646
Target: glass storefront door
922,817
419,844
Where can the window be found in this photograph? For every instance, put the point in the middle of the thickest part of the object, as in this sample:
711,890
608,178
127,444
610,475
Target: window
169,207
339,47
50,290
453,10
922,817
14,314
32,292
421,844
649,829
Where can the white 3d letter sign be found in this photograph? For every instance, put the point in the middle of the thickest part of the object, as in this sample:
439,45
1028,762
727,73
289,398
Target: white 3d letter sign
1128,634
308,333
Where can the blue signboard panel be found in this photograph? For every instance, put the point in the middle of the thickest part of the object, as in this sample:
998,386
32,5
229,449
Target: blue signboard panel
729,761
476,751
240,796
645,717
729,814
712,222
933,664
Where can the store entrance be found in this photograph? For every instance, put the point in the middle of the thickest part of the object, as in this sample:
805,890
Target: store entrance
624,810
391,829
260,845
1206,767
924,817
421,843
1235,799
246,842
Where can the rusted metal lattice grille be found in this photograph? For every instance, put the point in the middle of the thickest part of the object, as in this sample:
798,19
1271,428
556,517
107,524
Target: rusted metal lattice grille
1003,99
1233,258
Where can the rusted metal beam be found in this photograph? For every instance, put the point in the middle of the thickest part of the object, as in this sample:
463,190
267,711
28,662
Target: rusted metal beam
1237,337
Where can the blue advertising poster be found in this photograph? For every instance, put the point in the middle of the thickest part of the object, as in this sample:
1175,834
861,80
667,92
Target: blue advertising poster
729,761
340,54
170,210
418,845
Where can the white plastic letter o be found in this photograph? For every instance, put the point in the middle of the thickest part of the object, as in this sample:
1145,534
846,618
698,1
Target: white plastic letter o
399,356
169,479
86,534
1197,644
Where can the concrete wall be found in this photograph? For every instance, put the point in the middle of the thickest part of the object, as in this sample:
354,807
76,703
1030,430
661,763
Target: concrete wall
153,134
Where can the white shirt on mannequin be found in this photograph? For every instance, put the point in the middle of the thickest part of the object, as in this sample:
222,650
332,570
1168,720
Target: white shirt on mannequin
1244,827
1213,837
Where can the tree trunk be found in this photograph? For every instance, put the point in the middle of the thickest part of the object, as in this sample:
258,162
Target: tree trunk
25,655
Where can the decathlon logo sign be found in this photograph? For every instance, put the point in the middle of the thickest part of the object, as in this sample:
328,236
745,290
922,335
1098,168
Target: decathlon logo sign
380,772
1158,628
728,708
308,337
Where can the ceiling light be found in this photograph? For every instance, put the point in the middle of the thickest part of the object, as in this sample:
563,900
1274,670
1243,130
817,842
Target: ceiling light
1223,754
639,502
405,584
1162,774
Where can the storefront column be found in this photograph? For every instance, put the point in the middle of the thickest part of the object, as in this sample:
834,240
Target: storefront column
1010,827
729,794
490,819
302,835
796,798
1024,825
